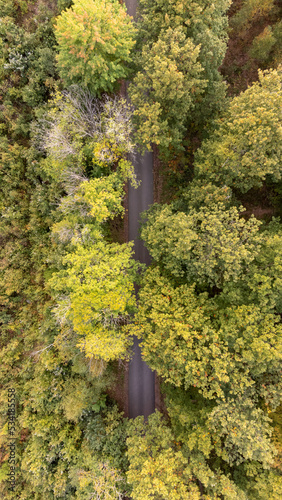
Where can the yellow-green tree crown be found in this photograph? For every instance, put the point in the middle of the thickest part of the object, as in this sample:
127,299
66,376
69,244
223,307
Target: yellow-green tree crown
95,39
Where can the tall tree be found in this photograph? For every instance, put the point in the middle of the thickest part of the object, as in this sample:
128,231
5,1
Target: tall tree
180,88
97,296
157,467
95,40
164,91
246,147
208,246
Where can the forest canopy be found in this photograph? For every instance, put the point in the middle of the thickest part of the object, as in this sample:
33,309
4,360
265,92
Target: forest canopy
95,39
204,94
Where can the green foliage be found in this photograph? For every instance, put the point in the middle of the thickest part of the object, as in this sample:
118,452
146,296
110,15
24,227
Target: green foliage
199,19
101,480
259,484
219,352
245,431
222,352
262,283
27,61
247,144
209,246
177,85
7,8
95,39
191,420
64,4
104,196
165,90
59,391
97,296
102,473
263,44
208,195
157,468
106,434
59,458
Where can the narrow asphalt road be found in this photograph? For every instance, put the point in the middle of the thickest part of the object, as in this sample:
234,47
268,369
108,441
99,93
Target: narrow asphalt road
141,380
131,6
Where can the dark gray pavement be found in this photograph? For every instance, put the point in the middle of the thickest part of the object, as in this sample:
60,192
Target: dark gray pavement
141,386
139,200
141,379
131,6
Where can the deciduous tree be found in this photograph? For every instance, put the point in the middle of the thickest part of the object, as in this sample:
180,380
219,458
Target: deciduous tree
157,467
178,85
246,148
164,91
95,40
209,246
97,296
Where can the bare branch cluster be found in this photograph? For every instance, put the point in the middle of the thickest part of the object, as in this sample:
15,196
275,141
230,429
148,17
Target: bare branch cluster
62,309
77,116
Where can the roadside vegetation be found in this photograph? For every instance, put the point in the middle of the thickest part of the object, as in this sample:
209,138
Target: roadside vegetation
205,89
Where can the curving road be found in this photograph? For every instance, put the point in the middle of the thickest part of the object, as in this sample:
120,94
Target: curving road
141,379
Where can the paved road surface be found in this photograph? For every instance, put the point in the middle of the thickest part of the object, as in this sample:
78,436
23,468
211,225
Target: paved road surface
139,200
141,380
131,6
